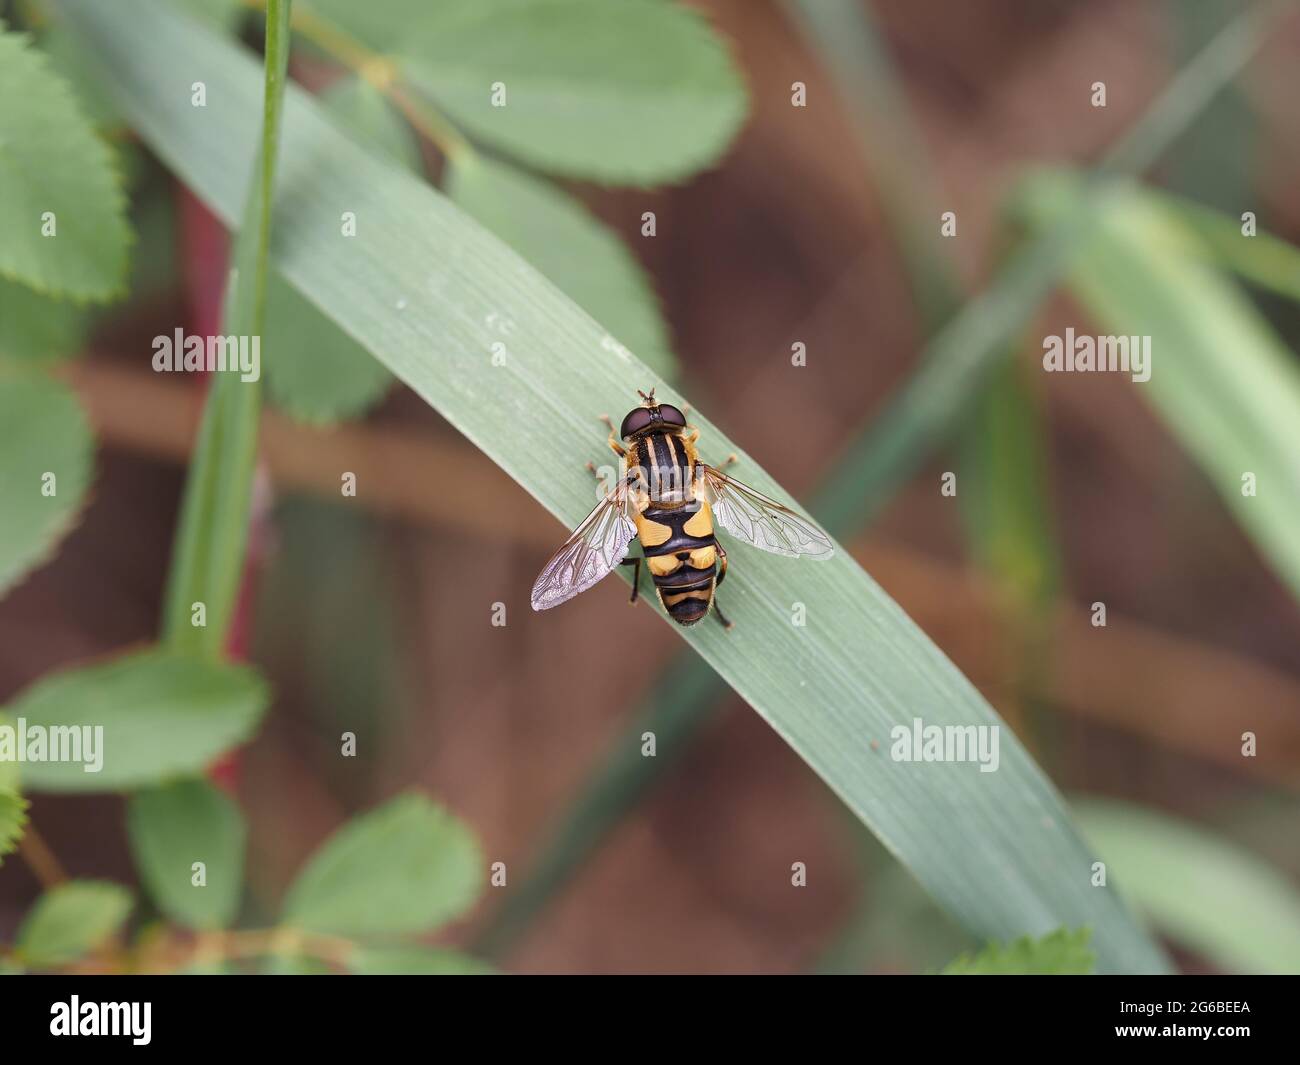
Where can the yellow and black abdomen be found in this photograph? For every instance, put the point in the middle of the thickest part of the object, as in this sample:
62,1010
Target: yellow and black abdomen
682,555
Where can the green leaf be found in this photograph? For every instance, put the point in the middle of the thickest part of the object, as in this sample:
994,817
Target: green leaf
371,119
315,371
576,251
1220,378
162,716
632,92
407,867
71,920
46,464
416,961
1063,953
56,175
998,849
35,328
1204,891
212,534
13,819
69,62
173,826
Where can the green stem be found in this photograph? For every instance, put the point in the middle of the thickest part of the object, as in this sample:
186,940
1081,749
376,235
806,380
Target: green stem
212,538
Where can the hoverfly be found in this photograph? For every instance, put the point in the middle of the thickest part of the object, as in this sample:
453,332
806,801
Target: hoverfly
669,500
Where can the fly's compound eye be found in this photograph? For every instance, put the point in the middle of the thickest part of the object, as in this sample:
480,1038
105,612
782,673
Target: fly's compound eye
670,415
635,421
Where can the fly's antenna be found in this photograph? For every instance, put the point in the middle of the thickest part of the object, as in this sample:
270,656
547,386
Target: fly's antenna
649,399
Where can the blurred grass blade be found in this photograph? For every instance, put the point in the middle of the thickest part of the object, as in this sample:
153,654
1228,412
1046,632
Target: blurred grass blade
1003,489
925,410
845,39
427,293
1264,260
1201,890
208,557
1220,378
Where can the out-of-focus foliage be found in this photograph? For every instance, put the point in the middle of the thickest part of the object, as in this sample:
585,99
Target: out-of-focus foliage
69,921
162,715
61,207
1200,889
402,869
1063,953
633,92
13,817
1220,377
38,329
45,469
171,827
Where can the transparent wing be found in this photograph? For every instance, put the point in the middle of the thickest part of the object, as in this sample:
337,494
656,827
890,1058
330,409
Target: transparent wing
597,545
761,521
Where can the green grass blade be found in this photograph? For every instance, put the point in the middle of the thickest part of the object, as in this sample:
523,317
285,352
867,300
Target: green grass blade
209,554
924,411
429,292
1200,889
845,39
882,458
1264,260
1003,489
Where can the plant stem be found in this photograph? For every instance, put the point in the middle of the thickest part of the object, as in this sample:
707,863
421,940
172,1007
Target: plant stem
383,74
212,537
264,942
43,863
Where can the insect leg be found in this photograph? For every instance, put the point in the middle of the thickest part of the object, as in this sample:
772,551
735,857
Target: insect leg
717,611
730,460
596,474
614,444
722,562
636,575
